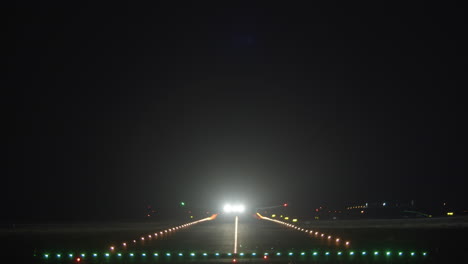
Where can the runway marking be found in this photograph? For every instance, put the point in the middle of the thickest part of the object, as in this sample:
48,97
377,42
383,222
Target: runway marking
235,235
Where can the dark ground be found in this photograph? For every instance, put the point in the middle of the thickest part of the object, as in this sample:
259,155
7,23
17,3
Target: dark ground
441,243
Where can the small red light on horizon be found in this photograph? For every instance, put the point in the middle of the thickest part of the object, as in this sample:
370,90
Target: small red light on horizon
265,257
285,204
78,259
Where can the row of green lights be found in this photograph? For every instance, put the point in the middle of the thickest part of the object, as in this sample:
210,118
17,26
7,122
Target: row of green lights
314,253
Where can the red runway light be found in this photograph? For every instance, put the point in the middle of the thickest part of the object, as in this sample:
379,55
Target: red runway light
78,259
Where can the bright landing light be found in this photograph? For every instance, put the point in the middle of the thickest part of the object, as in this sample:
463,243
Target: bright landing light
239,208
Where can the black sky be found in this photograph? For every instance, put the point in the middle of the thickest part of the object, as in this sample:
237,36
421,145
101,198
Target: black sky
111,107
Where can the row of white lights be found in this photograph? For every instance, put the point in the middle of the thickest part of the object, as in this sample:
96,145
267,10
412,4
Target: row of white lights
193,254
162,232
316,233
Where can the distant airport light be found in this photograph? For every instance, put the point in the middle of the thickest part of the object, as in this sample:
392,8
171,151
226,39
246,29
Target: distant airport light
239,208
449,213
285,204
294,220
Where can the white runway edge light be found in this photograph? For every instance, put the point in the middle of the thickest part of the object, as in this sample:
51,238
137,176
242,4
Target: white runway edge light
238,208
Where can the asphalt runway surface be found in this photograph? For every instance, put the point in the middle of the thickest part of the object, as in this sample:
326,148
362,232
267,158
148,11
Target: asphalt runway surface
258,241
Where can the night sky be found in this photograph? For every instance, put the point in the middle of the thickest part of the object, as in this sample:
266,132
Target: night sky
109,108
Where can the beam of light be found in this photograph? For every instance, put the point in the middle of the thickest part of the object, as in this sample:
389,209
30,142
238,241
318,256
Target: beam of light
235,234
239,208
